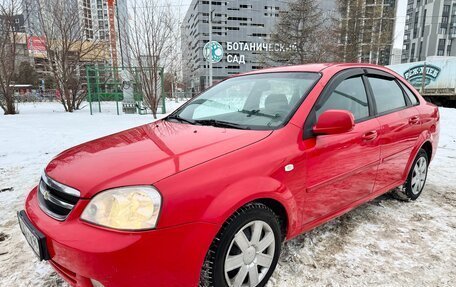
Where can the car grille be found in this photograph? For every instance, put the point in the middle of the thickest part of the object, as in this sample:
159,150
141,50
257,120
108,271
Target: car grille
56,199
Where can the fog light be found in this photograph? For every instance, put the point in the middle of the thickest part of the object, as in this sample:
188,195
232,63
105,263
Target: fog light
95,283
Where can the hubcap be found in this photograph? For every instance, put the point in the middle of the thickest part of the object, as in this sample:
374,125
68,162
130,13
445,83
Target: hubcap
250,255
419,175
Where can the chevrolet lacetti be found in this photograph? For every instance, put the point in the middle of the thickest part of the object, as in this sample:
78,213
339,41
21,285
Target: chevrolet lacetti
206,196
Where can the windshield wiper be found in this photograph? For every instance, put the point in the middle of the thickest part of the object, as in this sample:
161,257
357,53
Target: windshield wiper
222,124
181,119
258,113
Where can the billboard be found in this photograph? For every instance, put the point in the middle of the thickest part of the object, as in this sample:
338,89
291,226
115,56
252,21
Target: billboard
37,46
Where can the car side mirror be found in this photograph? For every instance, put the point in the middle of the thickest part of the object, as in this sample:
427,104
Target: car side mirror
334,122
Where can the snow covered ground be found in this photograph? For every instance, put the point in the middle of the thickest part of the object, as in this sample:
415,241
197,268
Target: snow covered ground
382,243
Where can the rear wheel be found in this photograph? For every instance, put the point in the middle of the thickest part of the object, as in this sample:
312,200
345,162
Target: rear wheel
416,179
246,251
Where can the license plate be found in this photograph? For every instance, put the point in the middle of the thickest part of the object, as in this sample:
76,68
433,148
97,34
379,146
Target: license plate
35,238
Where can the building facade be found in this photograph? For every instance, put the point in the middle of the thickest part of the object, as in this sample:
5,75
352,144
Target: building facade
240,30
430,30
396,56
367,30
14,23
94,17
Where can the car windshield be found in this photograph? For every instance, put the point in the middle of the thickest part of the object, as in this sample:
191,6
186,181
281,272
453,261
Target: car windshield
259,102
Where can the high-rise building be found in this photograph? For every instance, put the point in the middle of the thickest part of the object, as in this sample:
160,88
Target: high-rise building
430,30
94,17
367,30
241,32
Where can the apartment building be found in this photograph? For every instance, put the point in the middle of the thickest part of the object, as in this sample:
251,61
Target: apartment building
430,30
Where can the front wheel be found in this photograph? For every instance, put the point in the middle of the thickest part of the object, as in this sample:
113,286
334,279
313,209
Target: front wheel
246,250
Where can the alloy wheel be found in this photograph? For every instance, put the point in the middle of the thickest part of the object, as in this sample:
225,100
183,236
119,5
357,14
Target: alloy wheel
419,175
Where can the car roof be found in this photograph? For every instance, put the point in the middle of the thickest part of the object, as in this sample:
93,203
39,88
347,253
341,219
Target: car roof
317,68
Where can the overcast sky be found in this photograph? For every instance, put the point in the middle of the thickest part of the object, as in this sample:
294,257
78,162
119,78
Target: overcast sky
183,5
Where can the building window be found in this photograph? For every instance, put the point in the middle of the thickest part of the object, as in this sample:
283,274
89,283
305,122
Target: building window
415,25
259,35
441,47
424,23
412,53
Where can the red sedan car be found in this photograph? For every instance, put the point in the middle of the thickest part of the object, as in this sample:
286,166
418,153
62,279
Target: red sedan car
207,195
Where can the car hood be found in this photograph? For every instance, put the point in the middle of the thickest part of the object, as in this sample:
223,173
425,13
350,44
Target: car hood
144,155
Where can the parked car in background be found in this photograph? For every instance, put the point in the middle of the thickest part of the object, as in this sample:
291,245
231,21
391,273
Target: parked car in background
207,195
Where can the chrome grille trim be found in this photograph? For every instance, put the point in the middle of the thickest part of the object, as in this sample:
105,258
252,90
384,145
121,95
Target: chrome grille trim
48,196
57,185
56,199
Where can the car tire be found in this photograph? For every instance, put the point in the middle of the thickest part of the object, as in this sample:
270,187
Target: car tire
416,179
246,250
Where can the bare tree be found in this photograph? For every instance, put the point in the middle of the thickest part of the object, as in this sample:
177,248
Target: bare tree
69,47
9,40
151,44
303,34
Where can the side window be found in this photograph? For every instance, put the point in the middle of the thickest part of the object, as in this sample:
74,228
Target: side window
388,95
410,95
350,95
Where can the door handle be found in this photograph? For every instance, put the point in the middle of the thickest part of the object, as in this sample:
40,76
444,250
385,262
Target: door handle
414,120
370,136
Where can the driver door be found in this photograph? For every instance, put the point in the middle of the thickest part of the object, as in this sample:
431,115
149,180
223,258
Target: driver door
341,168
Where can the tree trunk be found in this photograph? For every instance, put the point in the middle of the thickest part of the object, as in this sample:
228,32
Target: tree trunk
10,108
69,102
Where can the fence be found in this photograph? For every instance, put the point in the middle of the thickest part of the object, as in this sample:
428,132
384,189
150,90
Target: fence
125,86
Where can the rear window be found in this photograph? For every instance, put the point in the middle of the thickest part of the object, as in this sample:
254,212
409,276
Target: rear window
410,95
387,93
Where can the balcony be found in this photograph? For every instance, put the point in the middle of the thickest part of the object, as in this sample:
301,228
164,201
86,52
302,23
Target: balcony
453,33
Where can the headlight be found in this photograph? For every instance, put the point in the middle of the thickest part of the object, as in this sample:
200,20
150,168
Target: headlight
125,208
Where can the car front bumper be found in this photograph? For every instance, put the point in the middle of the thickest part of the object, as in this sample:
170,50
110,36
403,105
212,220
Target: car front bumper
164,257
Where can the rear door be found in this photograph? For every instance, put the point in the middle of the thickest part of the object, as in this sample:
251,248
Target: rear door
341,168
400,127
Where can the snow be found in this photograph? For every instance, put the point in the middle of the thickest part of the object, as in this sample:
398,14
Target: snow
382,243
